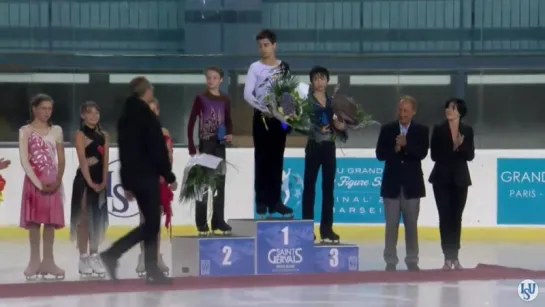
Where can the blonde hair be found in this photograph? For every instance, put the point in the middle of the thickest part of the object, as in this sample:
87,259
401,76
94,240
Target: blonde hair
154,101
409,99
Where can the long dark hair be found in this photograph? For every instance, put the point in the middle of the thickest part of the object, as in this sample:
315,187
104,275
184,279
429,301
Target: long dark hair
35,102
84,108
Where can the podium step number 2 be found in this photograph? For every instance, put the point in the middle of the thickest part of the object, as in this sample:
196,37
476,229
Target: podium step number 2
213,256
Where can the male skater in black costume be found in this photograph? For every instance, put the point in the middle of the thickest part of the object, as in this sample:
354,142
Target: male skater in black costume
269,133
144,158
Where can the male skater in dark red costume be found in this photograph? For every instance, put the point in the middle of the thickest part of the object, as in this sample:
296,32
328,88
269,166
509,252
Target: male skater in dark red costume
144,158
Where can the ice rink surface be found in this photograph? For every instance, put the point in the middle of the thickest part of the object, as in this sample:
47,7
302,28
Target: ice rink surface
433,294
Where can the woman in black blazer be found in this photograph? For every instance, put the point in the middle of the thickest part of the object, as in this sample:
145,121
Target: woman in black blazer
451,148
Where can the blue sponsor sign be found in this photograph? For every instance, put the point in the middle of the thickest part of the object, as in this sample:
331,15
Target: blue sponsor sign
521,191
226,256
357,189
285,247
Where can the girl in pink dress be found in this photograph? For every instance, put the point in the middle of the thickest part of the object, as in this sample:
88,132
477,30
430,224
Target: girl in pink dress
42,157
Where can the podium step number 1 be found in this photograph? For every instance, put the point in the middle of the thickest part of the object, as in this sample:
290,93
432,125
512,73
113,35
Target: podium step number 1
285,247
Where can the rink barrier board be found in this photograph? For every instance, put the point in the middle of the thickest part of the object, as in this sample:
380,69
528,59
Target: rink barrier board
498,208
348,233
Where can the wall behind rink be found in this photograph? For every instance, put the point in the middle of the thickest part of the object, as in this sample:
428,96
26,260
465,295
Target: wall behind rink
503,193
504,107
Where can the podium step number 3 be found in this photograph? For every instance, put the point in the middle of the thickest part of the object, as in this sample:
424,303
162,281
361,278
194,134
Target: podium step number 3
336,258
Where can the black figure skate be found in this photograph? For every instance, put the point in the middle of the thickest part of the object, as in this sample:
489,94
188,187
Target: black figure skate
203,230
158,278
141,266
222,227
329,237
285,211
201,216
162,265
261,210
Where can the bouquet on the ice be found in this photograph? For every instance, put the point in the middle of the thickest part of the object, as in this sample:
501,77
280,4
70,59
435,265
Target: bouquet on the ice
200,176
286,100
348,111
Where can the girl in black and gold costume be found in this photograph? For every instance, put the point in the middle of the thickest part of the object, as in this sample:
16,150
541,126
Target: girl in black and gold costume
89,214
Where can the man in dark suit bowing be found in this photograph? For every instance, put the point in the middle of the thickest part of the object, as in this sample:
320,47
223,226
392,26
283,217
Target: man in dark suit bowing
402,145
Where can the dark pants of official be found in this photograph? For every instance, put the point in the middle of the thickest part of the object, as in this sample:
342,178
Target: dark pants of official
318,155
269,145
146,193
215,148
450,201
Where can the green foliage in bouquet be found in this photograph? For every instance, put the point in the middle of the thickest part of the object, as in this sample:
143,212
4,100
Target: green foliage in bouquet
349,111
199,179
362,119
286,104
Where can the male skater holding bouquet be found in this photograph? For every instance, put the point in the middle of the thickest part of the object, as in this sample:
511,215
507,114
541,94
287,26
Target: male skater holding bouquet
269,133
144,159
215,129
321,152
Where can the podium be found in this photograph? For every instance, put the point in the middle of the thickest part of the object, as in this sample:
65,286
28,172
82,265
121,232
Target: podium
336,258
213,256
282,246
261,247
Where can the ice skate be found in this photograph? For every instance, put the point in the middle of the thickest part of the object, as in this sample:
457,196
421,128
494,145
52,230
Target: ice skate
162,266
51,270
110,265
457,266
96,266
84,266
330,237
32,271
141,266
223,227
285,211
203,230
447,266
158,279
261,210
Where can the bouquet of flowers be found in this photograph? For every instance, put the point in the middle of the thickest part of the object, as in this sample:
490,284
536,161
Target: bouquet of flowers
200,177
286,101
348,111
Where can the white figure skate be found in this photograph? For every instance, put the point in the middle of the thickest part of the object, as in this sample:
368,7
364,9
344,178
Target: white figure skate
85,269
96,266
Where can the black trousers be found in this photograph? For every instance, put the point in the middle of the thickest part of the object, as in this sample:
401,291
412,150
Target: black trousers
450,201
146,193
212,147
320,155
269,146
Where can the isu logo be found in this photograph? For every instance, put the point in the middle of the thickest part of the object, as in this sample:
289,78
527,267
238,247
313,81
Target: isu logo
118,205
